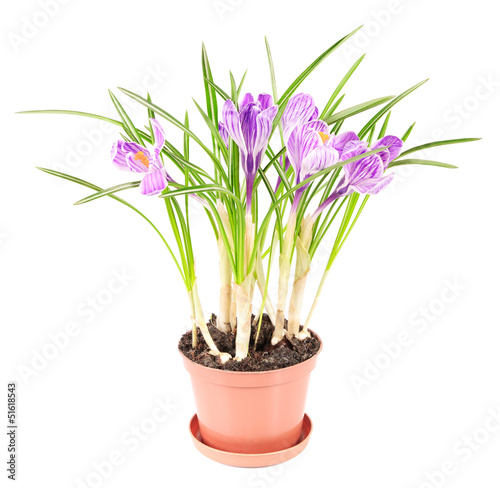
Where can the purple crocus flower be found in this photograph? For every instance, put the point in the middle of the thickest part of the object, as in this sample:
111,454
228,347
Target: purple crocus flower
250,129
299,110
133,157
310,149
366,175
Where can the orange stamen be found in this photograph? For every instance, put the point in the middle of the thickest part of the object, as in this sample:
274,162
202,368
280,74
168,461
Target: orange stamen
324,137
140,156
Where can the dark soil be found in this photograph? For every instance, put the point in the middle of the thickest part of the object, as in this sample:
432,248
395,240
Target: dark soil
265,357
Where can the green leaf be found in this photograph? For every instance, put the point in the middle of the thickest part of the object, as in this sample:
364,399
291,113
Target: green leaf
211,97
109,191
212,110
127,123
271,71
408,132
298,81
383,129
357,109
186,143
234,89
386,109
335,105
402,162
73,112
218,89
215,132
436,144
201,189
240,86
79,181
340,86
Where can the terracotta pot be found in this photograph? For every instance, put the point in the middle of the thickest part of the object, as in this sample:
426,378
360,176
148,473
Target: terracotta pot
250,413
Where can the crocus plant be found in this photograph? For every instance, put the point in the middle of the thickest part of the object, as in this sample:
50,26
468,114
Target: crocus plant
279,175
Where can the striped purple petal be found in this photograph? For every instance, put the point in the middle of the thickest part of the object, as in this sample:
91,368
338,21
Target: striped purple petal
299,110
248,98
118,155
265,101
159,137
339,141
320,158
224,133
231,121
393,151
373,186
154,182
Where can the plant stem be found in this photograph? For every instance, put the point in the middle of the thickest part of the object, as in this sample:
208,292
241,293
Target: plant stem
302,267
284,276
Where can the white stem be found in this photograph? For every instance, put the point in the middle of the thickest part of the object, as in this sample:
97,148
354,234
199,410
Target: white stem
244,312
199,320
305,331
302,267
233,311
224,316
261,282
284,276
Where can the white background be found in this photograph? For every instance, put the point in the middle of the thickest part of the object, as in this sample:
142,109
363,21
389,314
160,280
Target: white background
432,228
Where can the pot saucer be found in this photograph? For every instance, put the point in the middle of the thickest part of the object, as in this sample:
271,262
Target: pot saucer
250,460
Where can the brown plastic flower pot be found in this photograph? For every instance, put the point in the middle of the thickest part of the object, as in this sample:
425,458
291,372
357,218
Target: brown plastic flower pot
251,413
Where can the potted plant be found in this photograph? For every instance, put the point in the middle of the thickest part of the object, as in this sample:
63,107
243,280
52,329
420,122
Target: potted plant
279,175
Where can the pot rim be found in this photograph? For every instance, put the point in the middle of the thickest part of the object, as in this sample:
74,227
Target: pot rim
252,373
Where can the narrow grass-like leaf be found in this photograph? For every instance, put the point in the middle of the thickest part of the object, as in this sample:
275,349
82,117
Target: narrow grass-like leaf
234,90
240,86
73,112
298,81
186,142
383,129
109,191
87,184
211,97
408,132
219,143
386,109
425,162
218,89
357,109
370,135
271,71
127,123
341,85
436,144
209,89
335,105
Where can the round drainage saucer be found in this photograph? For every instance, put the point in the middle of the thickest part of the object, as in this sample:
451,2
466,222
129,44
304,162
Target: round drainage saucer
250,460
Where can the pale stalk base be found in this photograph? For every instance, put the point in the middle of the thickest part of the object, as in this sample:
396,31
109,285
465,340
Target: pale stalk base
244,308
259,269
284,276
302,267
233,311
296,305
200,322
305,332
223,318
